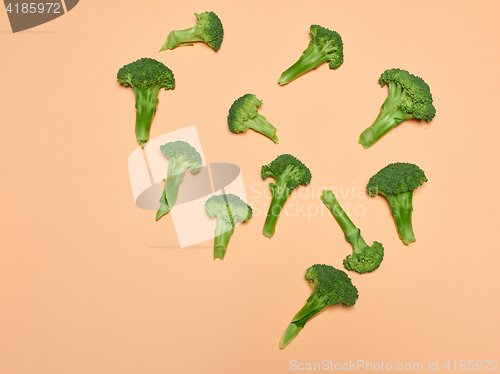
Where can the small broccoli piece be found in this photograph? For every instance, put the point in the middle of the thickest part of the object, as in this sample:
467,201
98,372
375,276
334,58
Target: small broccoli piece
208,29
409,97
325,46
146,76
330,287
364,258
243,115
229,209
397,182
289,173
181,157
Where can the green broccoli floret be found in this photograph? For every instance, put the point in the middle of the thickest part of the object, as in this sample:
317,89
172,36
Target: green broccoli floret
208,29
397,182
229,209
409,97
325,46
289,173
243,115
181,157
330,287
364,258
146,76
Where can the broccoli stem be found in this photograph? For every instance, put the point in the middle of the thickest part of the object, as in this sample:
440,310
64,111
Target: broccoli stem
402,207
259,123
351,232
175,174
389,117
312,57
164,208
280,195
314,305
223,232
178,38
146,99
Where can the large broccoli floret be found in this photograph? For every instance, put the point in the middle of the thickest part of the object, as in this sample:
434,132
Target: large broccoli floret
409,97
229,209
330,287
243,115
181,157
397,182
146,76
208,29
325,46
289,173
364,258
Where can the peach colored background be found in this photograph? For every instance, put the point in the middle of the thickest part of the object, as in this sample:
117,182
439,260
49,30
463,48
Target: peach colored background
89,283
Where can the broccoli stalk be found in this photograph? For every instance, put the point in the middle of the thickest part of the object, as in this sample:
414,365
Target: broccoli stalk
397,182
146,76
325,46
289,173
208,29
330,287
228,209
181,157
364,259
409,97
243,115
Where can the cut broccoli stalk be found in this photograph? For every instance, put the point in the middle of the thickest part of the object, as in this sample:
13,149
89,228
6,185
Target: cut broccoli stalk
146,100
280,194
178,38
402,208
223,232
364,259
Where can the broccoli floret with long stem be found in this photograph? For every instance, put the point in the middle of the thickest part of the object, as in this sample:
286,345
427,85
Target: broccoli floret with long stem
228,209
208,29
330,287
397,182
289,173
243,115
325,46
364,258
181,157
409,97
146,76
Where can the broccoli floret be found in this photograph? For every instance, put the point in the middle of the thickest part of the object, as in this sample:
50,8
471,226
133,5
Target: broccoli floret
397,182
181,157
243,115
409,97
330,287
289,173
364,258
146,76
325,46
208,29
229,209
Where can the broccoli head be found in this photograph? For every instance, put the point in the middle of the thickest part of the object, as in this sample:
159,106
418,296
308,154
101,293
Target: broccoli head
146,77
208,29
181,157
409,97
289,173
325,46
397,182
228,209
243,115
330,287
364,258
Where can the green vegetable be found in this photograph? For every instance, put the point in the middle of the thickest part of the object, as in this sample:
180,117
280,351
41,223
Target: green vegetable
364,258
146,76
229,209
325,46
330,287
181,157
397,182
243,115
208,29
289,173
409,97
